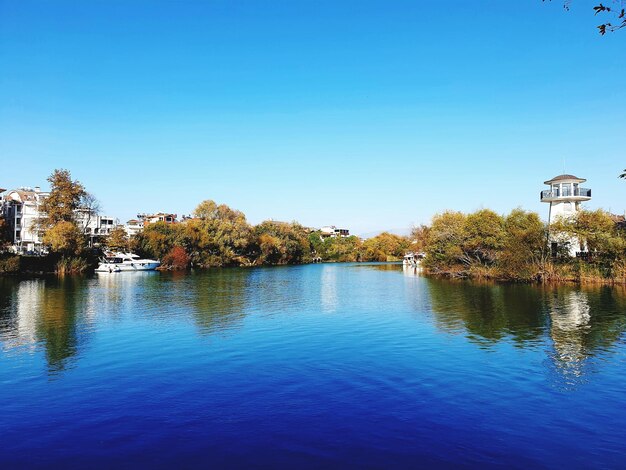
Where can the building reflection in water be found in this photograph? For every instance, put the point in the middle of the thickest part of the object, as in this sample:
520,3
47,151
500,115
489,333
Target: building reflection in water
584,324
328,289
570,321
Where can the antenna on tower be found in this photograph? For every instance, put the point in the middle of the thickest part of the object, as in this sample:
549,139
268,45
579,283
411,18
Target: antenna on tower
563,159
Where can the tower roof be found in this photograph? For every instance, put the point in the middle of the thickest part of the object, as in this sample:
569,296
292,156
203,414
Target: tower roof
565,178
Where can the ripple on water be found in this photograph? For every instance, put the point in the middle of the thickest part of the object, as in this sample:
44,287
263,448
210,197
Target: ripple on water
321,365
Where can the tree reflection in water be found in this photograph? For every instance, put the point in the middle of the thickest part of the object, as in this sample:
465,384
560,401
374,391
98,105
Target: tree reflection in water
577,323
46,312
219,298
488,312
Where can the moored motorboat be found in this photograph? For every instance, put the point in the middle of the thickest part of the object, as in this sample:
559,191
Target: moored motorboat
413,259
119,262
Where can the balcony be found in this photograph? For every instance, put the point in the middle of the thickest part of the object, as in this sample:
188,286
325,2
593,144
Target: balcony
578,194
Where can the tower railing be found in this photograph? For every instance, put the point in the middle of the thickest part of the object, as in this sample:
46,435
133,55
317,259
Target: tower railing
556,194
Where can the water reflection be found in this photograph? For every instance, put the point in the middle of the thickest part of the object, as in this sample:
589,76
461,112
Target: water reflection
570,322
328,291
569,325
45,312
412,271
488,312
577,324
220,298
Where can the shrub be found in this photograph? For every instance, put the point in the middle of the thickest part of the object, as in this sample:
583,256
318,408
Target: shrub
176,259
9,264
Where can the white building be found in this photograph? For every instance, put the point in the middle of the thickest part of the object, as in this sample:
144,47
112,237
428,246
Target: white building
159,217
565,197
21,211
93,225
133,227
330,231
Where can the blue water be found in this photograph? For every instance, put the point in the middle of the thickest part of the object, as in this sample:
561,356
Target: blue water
319,366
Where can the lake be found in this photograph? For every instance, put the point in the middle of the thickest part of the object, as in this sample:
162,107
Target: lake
330,365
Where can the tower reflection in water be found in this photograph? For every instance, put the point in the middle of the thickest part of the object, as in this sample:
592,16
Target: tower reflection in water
570,323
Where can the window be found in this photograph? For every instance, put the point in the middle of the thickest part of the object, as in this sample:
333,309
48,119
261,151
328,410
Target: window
567,189
18,221
18,235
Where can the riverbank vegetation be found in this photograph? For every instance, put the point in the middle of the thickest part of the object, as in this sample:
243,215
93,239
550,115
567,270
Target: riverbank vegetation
482,245
218,235
515,247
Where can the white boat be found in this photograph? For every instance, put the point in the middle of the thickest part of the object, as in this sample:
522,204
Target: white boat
413,259
118,262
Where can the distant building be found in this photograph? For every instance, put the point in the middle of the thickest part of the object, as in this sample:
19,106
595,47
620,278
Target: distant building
159,217
620,220
330,231
133,227
20,208
564,196
93,225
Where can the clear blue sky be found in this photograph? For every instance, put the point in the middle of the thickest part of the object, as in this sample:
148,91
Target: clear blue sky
369,115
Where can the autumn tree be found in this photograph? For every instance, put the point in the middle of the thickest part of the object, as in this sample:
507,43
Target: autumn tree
5,234
483,237
117,240
419,237
65,197
281,243
444,242
65,238
525,247
157,239
176,259
384,247
342,249
59,209
89,207
223,234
